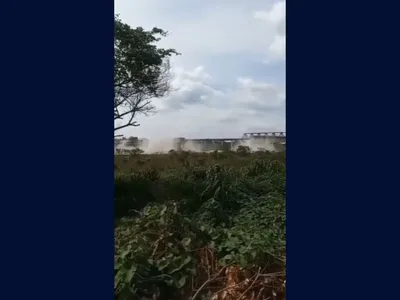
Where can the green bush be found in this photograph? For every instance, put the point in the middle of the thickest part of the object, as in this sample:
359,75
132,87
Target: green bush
167,217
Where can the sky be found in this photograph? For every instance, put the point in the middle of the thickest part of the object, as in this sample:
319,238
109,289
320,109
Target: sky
230,78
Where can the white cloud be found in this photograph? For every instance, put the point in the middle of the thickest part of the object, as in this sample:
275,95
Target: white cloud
259,95
197,109
223,87
210,26
275,17
276,14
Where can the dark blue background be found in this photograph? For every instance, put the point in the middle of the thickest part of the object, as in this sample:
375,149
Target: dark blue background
57,149
57,192
342,190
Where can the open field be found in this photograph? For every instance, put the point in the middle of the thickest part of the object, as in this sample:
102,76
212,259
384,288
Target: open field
200,226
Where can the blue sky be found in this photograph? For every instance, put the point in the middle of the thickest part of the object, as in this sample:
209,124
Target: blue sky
230,77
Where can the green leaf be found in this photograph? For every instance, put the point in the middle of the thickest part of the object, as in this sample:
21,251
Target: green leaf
243,250
182,264
162,220
224,260
162,264
186,242
181,281
130,273
187,260
193,271
227,257
163,210
243,261
125,253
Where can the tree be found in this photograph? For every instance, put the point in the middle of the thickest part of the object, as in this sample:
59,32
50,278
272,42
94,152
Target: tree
141,72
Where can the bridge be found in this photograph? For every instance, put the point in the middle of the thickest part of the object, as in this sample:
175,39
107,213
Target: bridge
274,137
264,135
268,140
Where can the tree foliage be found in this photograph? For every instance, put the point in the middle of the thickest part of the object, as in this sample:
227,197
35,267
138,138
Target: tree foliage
141,72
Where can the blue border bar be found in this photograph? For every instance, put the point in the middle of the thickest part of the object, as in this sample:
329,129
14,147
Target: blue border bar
57,160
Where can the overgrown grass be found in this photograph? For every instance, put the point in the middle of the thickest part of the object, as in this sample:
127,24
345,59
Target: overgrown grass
200,226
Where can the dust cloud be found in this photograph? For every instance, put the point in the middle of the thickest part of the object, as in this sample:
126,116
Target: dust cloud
164,145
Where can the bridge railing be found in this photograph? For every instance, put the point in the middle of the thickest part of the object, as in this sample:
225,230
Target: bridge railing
264,134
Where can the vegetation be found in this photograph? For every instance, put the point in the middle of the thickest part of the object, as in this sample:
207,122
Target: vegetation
190,226
200,226
141,72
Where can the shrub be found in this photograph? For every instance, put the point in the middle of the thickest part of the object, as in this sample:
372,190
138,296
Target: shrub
188,225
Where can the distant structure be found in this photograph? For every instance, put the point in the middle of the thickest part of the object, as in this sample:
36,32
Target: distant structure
275,140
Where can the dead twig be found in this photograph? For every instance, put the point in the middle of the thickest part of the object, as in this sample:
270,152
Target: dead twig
208,281
255,279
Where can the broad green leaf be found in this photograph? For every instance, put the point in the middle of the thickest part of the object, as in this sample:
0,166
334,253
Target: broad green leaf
181,281
130,273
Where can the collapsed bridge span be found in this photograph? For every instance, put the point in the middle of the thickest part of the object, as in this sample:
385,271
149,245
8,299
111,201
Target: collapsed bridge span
273,141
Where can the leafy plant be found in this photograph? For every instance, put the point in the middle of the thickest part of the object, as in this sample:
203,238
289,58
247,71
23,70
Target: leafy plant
182,225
